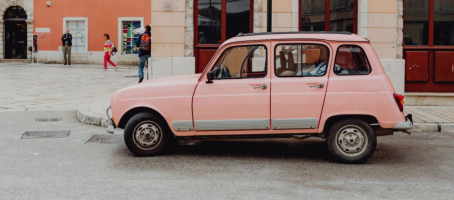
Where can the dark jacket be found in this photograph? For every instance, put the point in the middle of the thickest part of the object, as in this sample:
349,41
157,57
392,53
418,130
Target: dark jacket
69,39
143,52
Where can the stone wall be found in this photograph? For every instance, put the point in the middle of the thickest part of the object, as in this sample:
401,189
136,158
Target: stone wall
382,27
172,27
284,16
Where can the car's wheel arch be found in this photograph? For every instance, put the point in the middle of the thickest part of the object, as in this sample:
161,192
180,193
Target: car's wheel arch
130,113
333,119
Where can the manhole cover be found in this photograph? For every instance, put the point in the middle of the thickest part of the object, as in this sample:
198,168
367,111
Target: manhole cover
106,139
44,134
48,119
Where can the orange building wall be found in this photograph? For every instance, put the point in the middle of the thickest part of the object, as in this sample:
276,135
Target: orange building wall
102,18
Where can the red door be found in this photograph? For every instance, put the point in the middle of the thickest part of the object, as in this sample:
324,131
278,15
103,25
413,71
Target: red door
215,21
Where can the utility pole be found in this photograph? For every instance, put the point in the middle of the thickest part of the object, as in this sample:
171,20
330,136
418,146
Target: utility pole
268,16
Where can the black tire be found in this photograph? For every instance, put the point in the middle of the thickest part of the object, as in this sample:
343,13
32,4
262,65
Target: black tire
145,145
351,141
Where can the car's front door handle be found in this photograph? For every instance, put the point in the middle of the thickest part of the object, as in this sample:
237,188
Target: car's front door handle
260,87
320,85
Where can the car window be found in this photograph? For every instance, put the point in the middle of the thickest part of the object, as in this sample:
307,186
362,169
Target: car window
241,62
301,60
351,60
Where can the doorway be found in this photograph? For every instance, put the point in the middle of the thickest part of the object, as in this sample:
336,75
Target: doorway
15,33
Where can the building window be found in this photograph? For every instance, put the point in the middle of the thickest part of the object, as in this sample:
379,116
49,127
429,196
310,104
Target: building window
128,37
429,22
444,22
78,32
416,22
340,17
211,14
209,21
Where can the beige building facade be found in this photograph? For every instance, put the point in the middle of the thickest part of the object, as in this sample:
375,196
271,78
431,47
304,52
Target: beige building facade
173,26
186,34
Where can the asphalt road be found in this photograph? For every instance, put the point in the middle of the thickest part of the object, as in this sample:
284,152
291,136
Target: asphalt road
417,166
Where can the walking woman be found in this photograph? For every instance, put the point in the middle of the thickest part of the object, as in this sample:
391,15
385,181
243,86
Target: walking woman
108,52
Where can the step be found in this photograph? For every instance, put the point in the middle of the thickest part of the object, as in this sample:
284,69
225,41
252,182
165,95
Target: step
429,99
14,60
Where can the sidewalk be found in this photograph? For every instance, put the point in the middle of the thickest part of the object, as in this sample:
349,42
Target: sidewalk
426,118
25,87
91,66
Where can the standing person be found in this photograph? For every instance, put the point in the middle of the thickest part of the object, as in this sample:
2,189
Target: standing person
144,45
67,42
108,52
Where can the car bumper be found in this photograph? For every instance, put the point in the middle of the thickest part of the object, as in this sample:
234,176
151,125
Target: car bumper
111,127
402,126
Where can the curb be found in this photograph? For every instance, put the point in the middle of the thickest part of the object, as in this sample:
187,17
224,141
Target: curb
425,127
86,116
433,127
447,127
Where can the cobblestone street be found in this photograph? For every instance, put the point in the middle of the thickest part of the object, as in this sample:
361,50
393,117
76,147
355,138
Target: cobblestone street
57,88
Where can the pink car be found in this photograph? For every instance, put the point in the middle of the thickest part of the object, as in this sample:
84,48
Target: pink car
327,85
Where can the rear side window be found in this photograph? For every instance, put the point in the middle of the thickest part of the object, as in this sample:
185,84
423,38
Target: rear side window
351,60
301,60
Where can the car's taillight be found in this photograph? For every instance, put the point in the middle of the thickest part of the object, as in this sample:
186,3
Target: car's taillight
400,101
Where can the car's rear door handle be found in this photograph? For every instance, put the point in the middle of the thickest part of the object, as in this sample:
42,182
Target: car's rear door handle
263,86
320,85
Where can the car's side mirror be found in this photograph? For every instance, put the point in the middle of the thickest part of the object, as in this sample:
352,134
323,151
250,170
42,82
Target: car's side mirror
210,77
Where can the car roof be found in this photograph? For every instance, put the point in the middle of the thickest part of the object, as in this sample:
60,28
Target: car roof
313,35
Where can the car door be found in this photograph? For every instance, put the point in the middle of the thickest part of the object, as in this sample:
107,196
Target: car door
299,84
239,96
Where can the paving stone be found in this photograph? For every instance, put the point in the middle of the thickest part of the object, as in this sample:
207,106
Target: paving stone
62,88
432,114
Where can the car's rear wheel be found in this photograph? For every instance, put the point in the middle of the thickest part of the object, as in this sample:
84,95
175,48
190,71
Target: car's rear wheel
351,141
146,135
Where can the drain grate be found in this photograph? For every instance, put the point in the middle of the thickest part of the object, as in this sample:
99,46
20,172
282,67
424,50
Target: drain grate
48,119
44,134
106,139
131,76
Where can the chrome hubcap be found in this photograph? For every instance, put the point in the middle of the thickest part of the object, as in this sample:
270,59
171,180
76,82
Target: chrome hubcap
351,140
147,135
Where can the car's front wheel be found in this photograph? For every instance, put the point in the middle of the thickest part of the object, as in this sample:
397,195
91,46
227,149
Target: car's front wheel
351,141
146,135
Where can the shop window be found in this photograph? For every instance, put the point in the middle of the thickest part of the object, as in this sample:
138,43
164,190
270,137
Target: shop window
128,37
301,60
351,60
444,22
209,21
340,17
416,26
241,62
